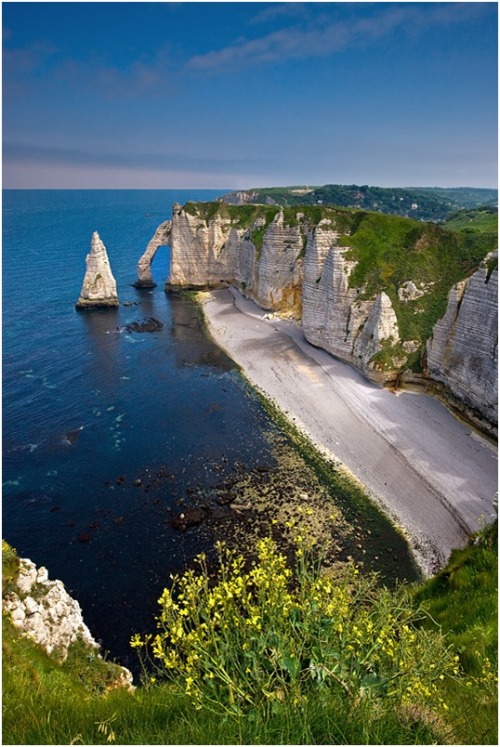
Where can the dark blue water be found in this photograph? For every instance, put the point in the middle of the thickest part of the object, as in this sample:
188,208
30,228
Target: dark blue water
89,409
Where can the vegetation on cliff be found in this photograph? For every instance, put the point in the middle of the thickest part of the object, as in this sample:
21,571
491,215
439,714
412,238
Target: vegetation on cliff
420,203
265,653
390,251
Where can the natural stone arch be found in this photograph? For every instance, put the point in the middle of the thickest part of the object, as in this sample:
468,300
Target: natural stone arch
160,237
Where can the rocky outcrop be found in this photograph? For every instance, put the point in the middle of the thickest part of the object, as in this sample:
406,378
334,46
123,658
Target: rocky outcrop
263,257
99,285
44,611
463,351
161,237
147,325
365,288
334,315
206,250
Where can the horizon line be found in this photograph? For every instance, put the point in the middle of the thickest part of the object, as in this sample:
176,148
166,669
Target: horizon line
237,189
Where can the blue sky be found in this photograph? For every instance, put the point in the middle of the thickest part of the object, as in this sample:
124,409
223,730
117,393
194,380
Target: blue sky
236,95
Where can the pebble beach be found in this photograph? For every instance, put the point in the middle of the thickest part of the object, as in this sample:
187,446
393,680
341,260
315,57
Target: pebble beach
431,474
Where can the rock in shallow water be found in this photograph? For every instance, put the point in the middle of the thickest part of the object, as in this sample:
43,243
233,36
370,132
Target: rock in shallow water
191,517
148,325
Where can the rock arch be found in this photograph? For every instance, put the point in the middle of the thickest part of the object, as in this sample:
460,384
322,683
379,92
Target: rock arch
160,237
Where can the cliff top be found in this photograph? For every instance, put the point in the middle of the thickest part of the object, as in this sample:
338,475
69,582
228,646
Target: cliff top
389,252
420,203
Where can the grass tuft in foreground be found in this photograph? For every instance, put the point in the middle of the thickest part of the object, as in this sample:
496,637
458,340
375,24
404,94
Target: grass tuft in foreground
462,601
263,654
263,643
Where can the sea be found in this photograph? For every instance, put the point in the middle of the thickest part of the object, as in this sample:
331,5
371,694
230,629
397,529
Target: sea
110,433
106,432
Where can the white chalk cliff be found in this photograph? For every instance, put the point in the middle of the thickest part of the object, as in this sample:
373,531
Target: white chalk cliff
221,250
463,350
302,266
161,237
99,285
334,315
44,611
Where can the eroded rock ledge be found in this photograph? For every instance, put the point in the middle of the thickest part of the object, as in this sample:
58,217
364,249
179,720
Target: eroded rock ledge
44,611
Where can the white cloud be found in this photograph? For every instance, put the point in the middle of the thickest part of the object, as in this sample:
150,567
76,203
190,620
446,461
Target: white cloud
319,36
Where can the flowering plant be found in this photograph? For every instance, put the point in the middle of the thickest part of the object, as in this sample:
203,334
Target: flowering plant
261,634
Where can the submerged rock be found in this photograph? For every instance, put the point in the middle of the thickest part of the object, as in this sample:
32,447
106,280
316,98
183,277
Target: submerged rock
99,285
191,517
148,325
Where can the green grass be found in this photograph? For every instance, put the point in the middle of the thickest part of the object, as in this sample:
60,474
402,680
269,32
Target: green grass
462,599
463,602
477,220
389,250
242,215
48,703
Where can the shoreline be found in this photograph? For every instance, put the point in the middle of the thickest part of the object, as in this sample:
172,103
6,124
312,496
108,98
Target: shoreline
433,477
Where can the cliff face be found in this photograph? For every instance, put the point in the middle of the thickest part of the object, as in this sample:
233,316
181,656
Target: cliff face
334,316
203,251
463,351
370,289
262,259
99,285
44,611
273,278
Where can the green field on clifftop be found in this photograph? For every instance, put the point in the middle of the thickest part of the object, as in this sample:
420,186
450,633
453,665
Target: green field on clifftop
419,203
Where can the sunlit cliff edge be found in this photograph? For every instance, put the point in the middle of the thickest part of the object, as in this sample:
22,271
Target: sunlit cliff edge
407,303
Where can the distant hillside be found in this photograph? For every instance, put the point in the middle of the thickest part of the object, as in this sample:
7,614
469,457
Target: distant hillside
478,220
420,203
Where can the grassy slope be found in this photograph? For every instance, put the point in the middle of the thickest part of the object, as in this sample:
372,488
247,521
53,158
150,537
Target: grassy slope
391,250
45,703
419,203
463,601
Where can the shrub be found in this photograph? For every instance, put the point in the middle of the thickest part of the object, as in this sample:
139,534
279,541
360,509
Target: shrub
260,636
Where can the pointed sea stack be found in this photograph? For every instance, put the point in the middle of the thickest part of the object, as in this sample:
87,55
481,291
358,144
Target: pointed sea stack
99,285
